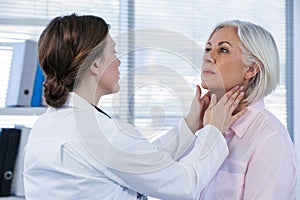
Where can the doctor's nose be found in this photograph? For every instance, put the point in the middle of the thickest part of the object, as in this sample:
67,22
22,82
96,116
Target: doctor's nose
208,58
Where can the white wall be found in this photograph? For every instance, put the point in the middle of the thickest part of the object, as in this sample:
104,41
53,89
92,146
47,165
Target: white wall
297,85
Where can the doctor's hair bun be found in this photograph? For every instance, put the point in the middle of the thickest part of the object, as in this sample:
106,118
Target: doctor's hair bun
55,91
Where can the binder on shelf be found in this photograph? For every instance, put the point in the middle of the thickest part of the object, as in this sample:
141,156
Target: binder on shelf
22,74
3,148
17,186
37,94
12,138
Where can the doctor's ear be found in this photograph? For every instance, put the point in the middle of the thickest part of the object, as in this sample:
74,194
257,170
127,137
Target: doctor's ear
253,69
95,67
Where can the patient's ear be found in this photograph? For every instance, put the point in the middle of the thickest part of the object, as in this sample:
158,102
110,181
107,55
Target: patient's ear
253,69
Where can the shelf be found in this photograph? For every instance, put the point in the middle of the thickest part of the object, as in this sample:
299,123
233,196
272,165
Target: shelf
23,111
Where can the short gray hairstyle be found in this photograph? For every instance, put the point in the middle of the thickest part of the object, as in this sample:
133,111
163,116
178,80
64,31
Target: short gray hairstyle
259,48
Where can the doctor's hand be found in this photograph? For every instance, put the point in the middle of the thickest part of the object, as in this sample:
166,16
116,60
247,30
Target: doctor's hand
220,114
194,119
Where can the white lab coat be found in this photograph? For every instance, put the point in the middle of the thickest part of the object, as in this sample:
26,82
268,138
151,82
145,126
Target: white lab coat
75,152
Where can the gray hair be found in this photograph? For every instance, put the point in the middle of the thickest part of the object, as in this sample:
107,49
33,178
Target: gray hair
259,48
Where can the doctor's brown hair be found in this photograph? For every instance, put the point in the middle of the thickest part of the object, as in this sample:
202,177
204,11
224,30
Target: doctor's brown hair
67,47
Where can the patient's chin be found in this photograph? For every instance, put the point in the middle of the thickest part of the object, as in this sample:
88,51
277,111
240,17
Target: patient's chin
204,85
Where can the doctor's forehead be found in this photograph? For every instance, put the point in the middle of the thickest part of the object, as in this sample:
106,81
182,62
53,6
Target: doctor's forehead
110,41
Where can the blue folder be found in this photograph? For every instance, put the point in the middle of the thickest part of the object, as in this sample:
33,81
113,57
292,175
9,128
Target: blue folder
37,94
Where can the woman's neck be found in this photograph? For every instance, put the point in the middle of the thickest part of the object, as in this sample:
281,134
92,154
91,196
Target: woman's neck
88,93
241,105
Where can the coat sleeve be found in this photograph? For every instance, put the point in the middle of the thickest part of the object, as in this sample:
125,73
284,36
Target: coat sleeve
157,174
177,142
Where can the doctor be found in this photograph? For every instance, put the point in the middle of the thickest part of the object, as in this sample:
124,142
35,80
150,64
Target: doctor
76,151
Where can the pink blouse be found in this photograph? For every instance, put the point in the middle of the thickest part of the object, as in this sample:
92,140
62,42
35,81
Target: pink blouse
261,163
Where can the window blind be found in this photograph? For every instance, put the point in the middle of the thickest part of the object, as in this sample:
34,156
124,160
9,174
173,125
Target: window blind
160,46
195,20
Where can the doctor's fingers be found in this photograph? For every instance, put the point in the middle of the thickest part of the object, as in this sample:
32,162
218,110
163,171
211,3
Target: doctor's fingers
205,100
233,118
213,101
234,101
230,96
198,93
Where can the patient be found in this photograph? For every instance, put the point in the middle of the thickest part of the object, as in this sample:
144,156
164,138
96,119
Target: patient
262,161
